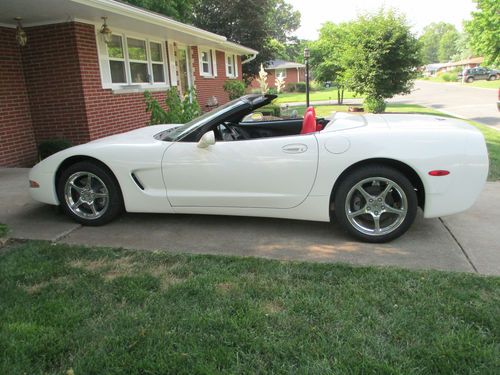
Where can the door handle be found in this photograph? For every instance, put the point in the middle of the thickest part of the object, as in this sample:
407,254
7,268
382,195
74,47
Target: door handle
296,148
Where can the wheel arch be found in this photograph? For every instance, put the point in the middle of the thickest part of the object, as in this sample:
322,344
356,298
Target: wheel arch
79,158
404,168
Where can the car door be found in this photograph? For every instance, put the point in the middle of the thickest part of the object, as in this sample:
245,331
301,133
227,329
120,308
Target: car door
276,172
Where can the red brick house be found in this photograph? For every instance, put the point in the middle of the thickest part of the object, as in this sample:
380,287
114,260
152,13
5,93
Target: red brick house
68,82
292,72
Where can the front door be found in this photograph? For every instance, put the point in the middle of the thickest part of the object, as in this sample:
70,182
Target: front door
276,172
184,64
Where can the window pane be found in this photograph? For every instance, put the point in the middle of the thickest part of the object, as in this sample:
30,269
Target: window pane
117,71
139,72
115,47
156,54
136,49
158,74
204,56
205,67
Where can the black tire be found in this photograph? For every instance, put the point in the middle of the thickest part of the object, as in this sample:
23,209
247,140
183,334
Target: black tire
470,79
112,206
492,78
384,174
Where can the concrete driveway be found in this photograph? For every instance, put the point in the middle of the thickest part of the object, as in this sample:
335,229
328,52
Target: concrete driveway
465,242
457,99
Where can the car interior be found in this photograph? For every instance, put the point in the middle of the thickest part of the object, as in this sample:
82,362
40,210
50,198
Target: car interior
261,125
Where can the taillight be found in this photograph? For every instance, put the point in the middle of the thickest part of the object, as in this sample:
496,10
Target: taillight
439,172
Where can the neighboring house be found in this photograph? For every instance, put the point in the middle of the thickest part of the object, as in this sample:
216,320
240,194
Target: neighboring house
291,72
431,70
67,82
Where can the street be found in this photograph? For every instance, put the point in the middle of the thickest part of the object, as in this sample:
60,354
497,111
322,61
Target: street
471,103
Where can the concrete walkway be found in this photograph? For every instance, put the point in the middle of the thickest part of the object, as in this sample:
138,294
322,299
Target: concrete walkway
465,242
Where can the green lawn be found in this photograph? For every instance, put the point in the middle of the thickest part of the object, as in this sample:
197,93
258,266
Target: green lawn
326,94
483,84
3,230
491,136
109,311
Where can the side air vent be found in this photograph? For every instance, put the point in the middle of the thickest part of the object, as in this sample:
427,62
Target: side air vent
136,180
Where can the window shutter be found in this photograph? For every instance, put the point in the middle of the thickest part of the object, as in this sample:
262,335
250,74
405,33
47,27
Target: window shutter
214,62
236,65
103,62
171,62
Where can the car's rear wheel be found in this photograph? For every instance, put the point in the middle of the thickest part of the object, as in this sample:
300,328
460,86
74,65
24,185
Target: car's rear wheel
89,194
375,204
470,79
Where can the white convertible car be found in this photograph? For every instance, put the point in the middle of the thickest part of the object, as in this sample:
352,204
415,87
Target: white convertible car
369,172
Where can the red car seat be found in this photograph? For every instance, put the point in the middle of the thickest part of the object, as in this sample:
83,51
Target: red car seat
309,123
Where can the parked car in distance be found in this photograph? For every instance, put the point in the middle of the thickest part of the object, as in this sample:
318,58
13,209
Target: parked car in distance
479,73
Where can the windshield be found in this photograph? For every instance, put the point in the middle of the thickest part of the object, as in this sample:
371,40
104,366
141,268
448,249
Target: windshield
180,131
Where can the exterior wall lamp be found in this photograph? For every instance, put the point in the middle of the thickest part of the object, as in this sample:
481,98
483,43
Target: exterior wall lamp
106,31
21,36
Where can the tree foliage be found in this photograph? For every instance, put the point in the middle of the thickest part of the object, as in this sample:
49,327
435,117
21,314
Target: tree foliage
181,10
264,25
484,31
381,56
438,42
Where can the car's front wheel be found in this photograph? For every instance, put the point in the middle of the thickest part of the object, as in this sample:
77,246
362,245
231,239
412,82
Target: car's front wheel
375,204
470,79
89,194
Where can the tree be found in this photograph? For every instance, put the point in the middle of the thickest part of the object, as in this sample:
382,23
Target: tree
328,55
181,10
448,45
463,49
433,50
381,56
484,30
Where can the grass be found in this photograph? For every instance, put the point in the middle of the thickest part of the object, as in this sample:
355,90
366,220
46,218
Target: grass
481,83
325,94
4,229
492,136
109,311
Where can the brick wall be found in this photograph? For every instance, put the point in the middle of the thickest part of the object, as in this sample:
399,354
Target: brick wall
53,80
207,87
107,112
291,77
17,141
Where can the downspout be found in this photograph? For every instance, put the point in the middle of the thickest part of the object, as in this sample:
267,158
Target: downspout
251,58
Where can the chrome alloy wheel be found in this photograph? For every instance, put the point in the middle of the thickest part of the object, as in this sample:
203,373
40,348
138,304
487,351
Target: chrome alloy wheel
376,206
86,195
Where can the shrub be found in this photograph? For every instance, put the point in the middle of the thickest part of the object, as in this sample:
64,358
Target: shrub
449,77
52,146
290,87
374,104
272,91
179,111
271,110
300,86
234,88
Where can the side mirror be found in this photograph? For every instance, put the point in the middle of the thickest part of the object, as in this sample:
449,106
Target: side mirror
208,139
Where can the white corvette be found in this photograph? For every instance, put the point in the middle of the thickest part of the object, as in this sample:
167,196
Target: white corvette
370,172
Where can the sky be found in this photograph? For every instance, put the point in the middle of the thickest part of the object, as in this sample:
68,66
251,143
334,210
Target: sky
418,12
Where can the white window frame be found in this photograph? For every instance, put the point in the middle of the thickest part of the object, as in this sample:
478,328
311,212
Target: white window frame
210,61
231,57
128,85
277,72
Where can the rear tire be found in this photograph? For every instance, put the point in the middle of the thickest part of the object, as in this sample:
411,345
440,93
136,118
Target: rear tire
470,80
89,194
375,204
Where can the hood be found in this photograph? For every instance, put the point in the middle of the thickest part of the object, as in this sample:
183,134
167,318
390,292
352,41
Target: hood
141,135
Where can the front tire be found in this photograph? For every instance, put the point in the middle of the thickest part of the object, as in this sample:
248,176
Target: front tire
470,80
89,194
375,204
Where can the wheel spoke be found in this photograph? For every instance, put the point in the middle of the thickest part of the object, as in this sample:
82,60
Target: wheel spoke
76,187
100,195
393,210
364,193
92,207
376,222
77,204
388,188
89,181
357,213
